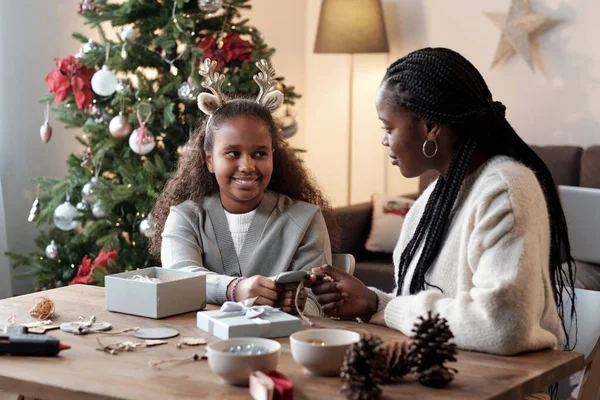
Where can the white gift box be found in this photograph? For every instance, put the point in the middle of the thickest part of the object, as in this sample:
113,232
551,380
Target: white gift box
177,293
243,320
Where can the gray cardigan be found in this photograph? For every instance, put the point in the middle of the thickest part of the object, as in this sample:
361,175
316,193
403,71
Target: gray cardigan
284,235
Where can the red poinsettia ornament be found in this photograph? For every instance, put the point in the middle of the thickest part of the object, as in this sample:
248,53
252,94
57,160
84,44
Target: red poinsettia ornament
86,269
231,47
71,75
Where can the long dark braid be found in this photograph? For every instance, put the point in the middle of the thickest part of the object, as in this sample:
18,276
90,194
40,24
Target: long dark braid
440,86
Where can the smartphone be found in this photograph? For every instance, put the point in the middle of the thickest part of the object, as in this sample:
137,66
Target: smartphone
296,276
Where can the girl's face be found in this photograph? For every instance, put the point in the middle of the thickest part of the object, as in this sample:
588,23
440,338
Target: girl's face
403,135
242,161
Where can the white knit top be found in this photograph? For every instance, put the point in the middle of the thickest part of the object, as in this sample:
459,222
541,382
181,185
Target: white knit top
493,268
238,226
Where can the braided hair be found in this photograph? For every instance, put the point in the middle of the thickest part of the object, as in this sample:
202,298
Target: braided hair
440,86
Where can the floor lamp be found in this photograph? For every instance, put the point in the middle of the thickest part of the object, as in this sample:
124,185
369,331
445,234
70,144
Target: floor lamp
350,27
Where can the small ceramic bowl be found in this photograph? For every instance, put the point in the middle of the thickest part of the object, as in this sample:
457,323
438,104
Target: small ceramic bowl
322,351
235,368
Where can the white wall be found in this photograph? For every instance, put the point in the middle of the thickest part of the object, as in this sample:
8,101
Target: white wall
558,104
33,34
283,24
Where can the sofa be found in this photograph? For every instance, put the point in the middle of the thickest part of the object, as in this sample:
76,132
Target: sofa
569,165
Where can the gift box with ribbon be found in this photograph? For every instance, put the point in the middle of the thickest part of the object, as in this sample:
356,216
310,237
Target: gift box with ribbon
244,319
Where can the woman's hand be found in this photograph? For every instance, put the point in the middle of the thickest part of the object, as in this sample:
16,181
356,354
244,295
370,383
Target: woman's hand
261,287
346,296
287,298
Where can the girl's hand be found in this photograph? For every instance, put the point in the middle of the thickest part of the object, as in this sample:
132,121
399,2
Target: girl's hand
258,286
346,296
287,299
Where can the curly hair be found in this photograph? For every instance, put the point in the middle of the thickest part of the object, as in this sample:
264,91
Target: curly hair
193,181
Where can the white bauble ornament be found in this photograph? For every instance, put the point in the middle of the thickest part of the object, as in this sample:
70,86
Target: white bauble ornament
64,216
128,34
87,192
147,144
209,6
98,210
46,132
146,227
82,206
51,250
124,53
120,127
104,82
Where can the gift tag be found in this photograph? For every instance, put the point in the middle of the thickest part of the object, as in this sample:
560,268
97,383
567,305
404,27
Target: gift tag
155,333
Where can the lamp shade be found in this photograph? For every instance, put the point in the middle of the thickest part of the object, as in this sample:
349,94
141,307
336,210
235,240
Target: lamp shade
351,26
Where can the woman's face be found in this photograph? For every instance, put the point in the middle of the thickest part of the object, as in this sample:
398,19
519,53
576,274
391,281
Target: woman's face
404,136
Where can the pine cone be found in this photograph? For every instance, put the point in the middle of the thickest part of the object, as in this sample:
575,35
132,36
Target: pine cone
397,363
430,348
364,369
437,376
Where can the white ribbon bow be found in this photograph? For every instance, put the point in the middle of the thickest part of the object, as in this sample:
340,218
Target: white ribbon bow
247,307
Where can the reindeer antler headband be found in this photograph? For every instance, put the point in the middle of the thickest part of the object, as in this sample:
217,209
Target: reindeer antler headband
210,103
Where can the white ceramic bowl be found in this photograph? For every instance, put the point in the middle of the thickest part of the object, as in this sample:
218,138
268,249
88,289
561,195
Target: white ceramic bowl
235,368
322,359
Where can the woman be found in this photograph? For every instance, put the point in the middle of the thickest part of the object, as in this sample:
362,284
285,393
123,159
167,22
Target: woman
482,245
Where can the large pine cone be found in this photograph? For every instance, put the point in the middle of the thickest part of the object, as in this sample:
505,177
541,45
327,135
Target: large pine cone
364,369
397,363
430,350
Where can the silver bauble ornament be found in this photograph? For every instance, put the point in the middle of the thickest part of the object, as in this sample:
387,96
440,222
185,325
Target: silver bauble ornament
146,227
51,250
46,132
128,34
210,6
64,216
145,146
87,192
104,82
290,130
120,127
82,206
186,92
98,210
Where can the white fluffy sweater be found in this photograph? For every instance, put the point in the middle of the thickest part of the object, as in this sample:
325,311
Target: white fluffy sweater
493,267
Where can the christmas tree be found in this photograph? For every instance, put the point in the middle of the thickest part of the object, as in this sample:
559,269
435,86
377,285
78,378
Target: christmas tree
135,99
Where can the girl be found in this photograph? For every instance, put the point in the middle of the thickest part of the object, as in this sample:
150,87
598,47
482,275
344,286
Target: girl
482,245
241,206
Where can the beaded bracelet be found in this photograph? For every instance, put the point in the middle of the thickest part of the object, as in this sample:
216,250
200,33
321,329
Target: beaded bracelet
235,283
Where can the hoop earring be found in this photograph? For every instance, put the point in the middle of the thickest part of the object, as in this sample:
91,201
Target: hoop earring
425,148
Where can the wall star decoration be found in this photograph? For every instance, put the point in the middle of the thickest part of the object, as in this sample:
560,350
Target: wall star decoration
519,27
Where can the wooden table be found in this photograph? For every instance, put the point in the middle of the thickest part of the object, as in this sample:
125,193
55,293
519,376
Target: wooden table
82,372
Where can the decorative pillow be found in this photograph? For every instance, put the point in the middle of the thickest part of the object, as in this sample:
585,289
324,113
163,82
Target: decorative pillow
388,217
